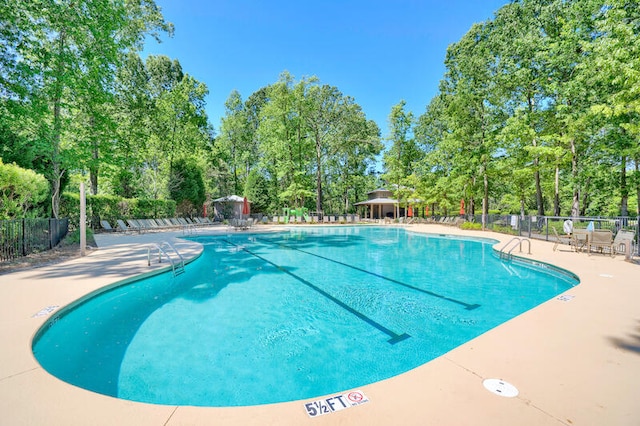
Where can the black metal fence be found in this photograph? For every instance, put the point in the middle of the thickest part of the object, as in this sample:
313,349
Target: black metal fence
21,237
542,227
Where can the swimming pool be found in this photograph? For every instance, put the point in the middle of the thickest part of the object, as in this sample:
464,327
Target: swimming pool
264,318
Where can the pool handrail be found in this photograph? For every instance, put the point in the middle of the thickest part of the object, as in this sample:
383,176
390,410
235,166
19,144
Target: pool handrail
177,267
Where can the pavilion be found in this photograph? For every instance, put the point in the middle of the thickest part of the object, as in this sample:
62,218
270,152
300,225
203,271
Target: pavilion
229,206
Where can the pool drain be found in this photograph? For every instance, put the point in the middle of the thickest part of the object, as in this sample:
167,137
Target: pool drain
500,387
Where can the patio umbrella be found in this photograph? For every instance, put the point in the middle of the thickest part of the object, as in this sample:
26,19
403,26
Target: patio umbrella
462,206
410,212
426,210
245,206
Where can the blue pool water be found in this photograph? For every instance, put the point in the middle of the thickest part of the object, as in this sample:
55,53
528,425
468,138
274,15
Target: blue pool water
265,318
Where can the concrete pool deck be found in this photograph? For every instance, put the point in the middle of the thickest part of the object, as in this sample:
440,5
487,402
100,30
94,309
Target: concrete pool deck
574,360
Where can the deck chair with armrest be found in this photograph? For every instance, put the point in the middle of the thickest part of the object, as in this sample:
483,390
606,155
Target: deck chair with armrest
601,240
623,241
579,239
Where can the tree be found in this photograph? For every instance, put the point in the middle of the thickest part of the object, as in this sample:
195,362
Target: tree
236,137
187,187
400,160
63,59
471,99
615,54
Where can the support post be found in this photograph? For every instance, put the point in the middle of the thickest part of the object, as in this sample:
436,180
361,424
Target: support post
83,220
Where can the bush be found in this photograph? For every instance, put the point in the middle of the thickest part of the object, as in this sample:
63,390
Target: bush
505,230
471,226
20,190
111,208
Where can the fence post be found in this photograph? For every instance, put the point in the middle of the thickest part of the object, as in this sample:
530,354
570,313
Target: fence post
24,236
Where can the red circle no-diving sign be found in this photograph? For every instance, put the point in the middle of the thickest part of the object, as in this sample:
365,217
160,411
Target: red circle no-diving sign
355,396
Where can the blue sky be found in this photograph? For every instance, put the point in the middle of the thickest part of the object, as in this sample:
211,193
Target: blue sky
378,52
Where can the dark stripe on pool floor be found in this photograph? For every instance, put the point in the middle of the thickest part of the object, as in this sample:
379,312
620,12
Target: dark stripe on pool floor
395,337
467,306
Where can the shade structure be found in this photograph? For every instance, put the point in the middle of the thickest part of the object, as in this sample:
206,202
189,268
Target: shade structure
462,206
245,206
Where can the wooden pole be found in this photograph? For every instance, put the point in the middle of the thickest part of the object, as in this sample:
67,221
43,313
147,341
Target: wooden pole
83,220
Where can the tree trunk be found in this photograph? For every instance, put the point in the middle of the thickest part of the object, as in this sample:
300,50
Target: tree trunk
319,174
485,196
585,197
624,189
637,161
93,168
556,193
536,160
575,205
472,205
539,199
57,130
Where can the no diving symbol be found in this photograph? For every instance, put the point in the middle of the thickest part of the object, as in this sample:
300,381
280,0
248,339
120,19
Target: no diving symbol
355,397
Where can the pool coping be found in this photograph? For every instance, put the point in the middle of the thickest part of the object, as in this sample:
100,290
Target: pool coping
575,360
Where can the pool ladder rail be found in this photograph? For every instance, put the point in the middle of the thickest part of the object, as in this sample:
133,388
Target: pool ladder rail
518,243
175,258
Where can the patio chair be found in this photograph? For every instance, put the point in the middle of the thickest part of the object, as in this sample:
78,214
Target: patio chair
123,226
133,224
623,241
579,239
106,226
558,239
601,239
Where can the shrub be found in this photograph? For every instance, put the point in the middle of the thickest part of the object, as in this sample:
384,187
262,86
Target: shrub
471,226
111,208
20,190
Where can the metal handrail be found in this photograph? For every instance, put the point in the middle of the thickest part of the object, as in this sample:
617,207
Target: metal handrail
519,242
176,267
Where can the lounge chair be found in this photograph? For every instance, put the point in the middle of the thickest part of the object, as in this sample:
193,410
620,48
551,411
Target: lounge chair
166,223
106,226
123,226
147,224
133,224
601,239
623,241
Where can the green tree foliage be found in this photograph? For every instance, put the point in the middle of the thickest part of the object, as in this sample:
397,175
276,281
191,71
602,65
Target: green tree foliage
537,112
401,159
58,73
187,187
542,102
313,137
20,191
